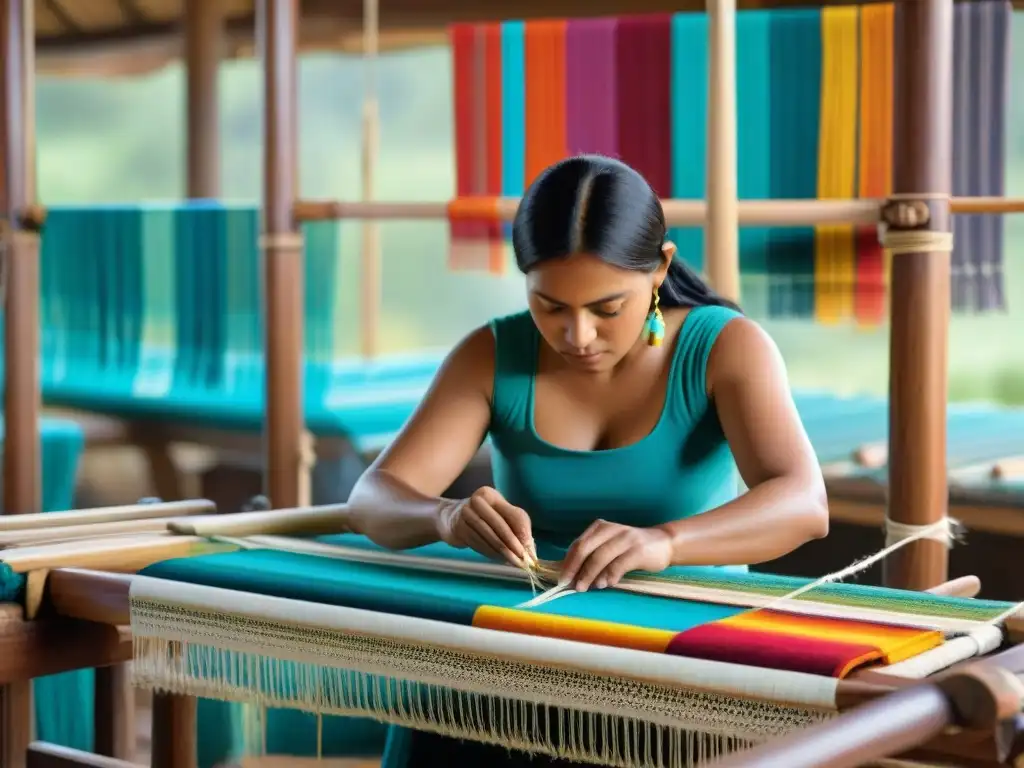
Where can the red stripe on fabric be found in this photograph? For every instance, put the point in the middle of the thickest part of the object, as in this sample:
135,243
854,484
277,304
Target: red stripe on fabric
643,52
718,642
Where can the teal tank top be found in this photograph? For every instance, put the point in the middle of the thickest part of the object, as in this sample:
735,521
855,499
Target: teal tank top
681,468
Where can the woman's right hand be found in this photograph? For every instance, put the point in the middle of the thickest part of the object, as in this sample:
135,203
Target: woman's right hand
489,524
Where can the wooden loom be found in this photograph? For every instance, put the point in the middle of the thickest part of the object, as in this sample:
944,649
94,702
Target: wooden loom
90,608
920,278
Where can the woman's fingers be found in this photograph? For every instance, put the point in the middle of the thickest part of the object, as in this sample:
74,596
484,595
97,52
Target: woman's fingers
518,522
482,526
592,538
487,513
477,543
593,568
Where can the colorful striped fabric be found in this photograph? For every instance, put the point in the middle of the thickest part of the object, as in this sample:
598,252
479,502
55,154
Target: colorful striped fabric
771,639
814,120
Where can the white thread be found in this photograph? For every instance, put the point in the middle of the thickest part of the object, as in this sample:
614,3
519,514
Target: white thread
947,531
922,532
547,596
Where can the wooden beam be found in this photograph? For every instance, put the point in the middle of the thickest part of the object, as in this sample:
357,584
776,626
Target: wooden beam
30,649
204,32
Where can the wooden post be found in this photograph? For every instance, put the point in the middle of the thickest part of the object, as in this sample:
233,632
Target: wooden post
370,262
114,700
919,332
721,232
282,251
174,731
19,250
204,33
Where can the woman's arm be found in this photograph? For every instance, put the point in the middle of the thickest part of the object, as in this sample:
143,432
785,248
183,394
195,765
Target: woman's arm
397,502
785,505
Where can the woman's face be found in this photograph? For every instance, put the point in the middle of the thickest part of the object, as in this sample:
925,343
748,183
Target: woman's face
588,311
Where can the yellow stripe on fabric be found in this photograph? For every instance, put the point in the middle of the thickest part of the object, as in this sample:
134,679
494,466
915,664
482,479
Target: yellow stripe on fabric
566,628
835,254
895,643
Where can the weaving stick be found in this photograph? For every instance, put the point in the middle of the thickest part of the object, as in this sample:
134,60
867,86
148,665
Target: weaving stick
118,554
76,517
301,521
55,534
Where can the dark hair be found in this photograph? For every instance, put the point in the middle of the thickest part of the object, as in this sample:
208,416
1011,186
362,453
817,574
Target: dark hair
599,205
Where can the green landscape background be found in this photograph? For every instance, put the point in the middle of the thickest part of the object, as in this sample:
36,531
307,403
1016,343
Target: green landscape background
106,140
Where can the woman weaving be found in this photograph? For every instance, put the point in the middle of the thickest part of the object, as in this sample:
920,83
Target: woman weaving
619,408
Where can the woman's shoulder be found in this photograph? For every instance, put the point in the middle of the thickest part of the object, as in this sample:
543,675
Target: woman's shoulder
743,348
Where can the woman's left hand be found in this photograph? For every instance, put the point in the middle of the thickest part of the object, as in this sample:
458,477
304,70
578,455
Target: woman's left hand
606,552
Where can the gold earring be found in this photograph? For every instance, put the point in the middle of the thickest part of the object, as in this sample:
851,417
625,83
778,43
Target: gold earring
655,325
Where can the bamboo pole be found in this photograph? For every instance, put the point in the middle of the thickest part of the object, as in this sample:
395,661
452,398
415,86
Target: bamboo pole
678,213
121,554
101,515
301,521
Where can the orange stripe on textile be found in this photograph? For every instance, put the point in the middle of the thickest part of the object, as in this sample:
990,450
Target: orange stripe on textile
875,151
546,137
894,643
475,231
565,628
476,243
769,650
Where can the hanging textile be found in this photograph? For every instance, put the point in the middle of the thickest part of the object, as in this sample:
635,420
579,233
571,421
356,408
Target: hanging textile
643,53
591,87
545,95
837,162
796,50
513,108
754,150
989,38
476,243
875,155
815,94
688,112
980,73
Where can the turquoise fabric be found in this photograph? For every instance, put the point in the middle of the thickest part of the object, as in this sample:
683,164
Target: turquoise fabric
416,593
513,106
689,82
795,64
389,589
63,703
682,468
154,311
753,148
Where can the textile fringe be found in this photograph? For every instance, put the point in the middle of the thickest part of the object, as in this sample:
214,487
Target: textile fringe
558,711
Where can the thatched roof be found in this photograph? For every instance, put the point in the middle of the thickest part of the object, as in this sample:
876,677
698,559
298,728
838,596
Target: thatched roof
114,37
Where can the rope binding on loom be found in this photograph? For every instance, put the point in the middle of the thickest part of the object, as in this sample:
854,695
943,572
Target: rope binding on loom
902,225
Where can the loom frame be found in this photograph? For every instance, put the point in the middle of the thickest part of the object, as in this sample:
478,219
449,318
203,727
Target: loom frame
919,337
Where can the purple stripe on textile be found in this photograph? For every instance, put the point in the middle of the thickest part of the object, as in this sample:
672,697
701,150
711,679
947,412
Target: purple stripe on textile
591,84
